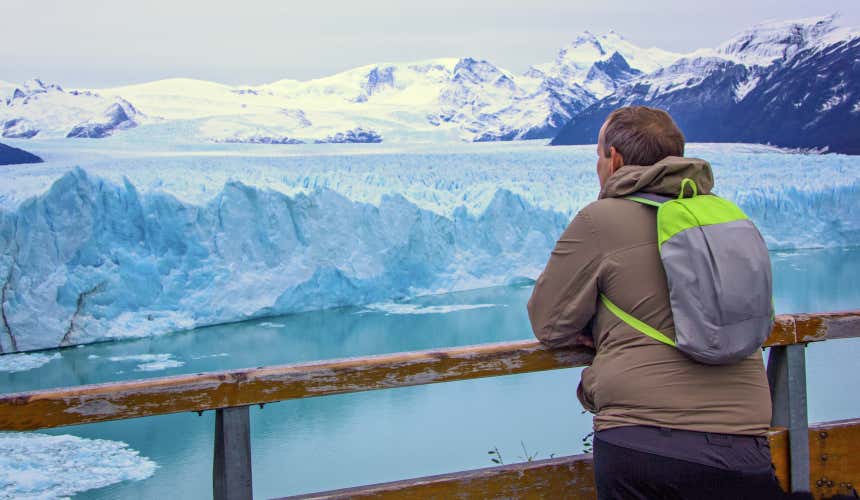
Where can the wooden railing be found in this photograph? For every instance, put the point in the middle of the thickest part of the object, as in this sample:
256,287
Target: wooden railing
231,392
833,444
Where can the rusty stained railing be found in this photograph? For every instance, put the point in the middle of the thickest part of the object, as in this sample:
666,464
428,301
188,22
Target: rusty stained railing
231,392
834,445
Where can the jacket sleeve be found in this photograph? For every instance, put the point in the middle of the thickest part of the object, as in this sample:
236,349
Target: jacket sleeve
583,395
564,298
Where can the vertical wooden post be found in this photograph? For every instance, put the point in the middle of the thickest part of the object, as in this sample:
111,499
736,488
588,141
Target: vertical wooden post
231,469
786,374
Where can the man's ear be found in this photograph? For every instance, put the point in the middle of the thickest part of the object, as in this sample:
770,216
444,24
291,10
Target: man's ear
616,161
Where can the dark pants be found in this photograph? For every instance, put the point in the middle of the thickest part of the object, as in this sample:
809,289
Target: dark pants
624,473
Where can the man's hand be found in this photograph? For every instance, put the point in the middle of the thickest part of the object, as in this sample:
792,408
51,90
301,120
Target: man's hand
585,339
581,339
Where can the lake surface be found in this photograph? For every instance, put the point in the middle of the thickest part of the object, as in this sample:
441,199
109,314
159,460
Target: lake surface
338,441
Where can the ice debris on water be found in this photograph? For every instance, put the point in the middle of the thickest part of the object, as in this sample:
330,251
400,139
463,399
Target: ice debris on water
22,362
150,362
395,308
41,466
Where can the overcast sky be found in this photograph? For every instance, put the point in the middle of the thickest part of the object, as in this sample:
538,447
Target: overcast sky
96,43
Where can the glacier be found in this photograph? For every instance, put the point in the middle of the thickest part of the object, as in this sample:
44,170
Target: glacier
139,245
90,260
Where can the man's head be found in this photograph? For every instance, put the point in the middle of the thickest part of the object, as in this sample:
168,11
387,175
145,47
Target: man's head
636,135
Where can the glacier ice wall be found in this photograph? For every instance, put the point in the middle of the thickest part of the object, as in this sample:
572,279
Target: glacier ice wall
91,259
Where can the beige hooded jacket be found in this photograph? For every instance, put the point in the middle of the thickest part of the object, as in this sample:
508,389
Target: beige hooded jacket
610,247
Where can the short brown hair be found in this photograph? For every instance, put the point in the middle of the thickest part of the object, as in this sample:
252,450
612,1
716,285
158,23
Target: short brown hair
642,135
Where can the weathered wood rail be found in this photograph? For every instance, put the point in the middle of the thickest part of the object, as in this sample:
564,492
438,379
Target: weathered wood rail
834,446
231,392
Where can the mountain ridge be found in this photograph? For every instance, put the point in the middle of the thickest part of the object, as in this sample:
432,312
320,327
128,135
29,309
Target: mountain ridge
11,156
461,98
787,83
466,98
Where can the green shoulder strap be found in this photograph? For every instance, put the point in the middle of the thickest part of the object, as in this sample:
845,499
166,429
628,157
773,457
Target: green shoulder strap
644,201
622,315
635,323
655,200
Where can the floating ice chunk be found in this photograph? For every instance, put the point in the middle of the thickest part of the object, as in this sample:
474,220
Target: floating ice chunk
142,357
159,365
150,362
23,362
269,324
42,466
205,356
393,308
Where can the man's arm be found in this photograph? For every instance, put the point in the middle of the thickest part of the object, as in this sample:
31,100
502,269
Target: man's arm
564,298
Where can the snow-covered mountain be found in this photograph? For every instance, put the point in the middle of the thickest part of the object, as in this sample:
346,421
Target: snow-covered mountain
453,99
36,108
448,98
600,63
792,84
788,83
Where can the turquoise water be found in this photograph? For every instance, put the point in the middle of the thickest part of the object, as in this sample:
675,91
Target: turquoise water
337,441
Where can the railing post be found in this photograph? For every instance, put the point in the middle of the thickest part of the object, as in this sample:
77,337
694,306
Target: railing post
786,374
231,468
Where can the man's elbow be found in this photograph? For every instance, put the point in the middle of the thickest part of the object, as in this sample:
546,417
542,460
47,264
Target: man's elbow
535,320
553,340
545,334
541,326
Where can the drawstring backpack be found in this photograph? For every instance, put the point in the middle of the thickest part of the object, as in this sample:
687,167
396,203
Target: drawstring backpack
719,276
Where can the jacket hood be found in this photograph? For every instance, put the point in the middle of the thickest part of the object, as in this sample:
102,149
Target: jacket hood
662,178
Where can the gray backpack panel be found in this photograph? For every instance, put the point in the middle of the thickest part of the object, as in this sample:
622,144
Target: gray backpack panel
721,289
